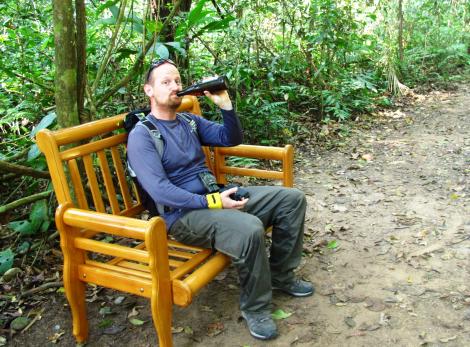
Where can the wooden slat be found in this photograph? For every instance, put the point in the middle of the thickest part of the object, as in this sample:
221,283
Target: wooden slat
106,223
126,196
108,182
191,264
142,267
176,244
117,260
250,151
77,184
111,249
133,211
179,254
207,272
88,130
92,147
238,171
93,182
125,267
115,280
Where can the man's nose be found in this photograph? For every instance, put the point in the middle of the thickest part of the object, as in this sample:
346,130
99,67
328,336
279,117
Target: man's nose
175,86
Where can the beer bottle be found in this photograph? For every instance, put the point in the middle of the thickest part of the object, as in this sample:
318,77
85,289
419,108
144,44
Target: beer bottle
212,85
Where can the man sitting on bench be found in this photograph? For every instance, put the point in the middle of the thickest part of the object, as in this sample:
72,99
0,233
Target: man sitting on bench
177,179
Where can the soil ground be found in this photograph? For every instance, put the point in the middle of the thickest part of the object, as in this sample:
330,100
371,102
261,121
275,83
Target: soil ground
387,246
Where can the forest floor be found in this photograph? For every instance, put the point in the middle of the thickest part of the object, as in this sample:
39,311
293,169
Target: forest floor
387,245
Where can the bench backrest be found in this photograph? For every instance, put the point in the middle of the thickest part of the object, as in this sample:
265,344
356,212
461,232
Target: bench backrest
87,164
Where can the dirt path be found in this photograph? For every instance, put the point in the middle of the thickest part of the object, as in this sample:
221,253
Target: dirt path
392,202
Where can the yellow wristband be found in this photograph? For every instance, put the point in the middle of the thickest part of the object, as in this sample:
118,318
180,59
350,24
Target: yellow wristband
214,200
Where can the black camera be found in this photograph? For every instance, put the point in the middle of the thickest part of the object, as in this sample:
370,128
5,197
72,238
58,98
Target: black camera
238,195
208,180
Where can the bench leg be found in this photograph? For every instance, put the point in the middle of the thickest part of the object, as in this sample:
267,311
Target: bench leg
75,291
74,288
162,317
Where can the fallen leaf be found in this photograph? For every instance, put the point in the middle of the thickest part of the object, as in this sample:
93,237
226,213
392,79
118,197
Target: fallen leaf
133,313
280,314
214,329
119,300
188,330
177,330
114,329
136,322
367,157
374,305
447,339
105,323
55,338
332,244
350,322
19,323
104,311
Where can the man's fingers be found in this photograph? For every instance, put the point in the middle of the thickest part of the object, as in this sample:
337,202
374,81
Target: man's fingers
228,192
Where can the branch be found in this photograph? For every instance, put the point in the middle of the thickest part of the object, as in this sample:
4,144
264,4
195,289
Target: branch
41,288
18,155
24,201
8,71
139,61
112,44
217,8
24,170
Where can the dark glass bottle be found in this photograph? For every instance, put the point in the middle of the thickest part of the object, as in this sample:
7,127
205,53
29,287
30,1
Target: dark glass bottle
213,85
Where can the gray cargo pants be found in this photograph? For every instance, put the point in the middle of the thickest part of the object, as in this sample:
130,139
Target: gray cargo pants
240,235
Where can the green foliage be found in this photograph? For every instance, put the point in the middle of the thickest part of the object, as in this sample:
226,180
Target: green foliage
323,58
6,260
38,221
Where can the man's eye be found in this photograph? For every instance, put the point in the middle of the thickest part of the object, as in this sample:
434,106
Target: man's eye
178,83
165,83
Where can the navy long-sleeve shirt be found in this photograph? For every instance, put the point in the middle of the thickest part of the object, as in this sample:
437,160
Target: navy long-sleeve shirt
173,180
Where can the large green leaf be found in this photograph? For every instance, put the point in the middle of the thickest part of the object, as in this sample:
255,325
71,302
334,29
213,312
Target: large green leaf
160,50
106,5
6,260
33,152
38,214
24,227
197,13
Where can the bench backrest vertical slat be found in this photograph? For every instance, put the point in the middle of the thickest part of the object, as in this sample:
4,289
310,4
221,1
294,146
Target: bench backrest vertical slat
121,177
93,183
77,183
108,182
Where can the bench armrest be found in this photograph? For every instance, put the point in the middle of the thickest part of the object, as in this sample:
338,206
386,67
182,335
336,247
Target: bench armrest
284,154
77,225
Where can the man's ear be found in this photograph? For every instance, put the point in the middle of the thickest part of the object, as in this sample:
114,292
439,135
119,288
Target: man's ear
148,90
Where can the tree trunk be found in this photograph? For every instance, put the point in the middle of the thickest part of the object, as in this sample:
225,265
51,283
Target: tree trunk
400,30
66,64
80,11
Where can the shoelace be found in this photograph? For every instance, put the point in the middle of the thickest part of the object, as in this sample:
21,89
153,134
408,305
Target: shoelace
262,319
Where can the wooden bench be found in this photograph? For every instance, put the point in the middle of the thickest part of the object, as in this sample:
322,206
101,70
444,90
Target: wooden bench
98,200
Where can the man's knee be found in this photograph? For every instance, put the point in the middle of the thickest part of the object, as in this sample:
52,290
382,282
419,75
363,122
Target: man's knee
296,196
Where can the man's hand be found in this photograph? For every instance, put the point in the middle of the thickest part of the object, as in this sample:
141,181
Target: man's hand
229,203
221,99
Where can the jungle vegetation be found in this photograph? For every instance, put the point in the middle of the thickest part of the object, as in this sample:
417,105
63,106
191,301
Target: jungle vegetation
292,65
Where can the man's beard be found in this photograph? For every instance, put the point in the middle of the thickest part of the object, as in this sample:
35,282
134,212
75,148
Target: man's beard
174,102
